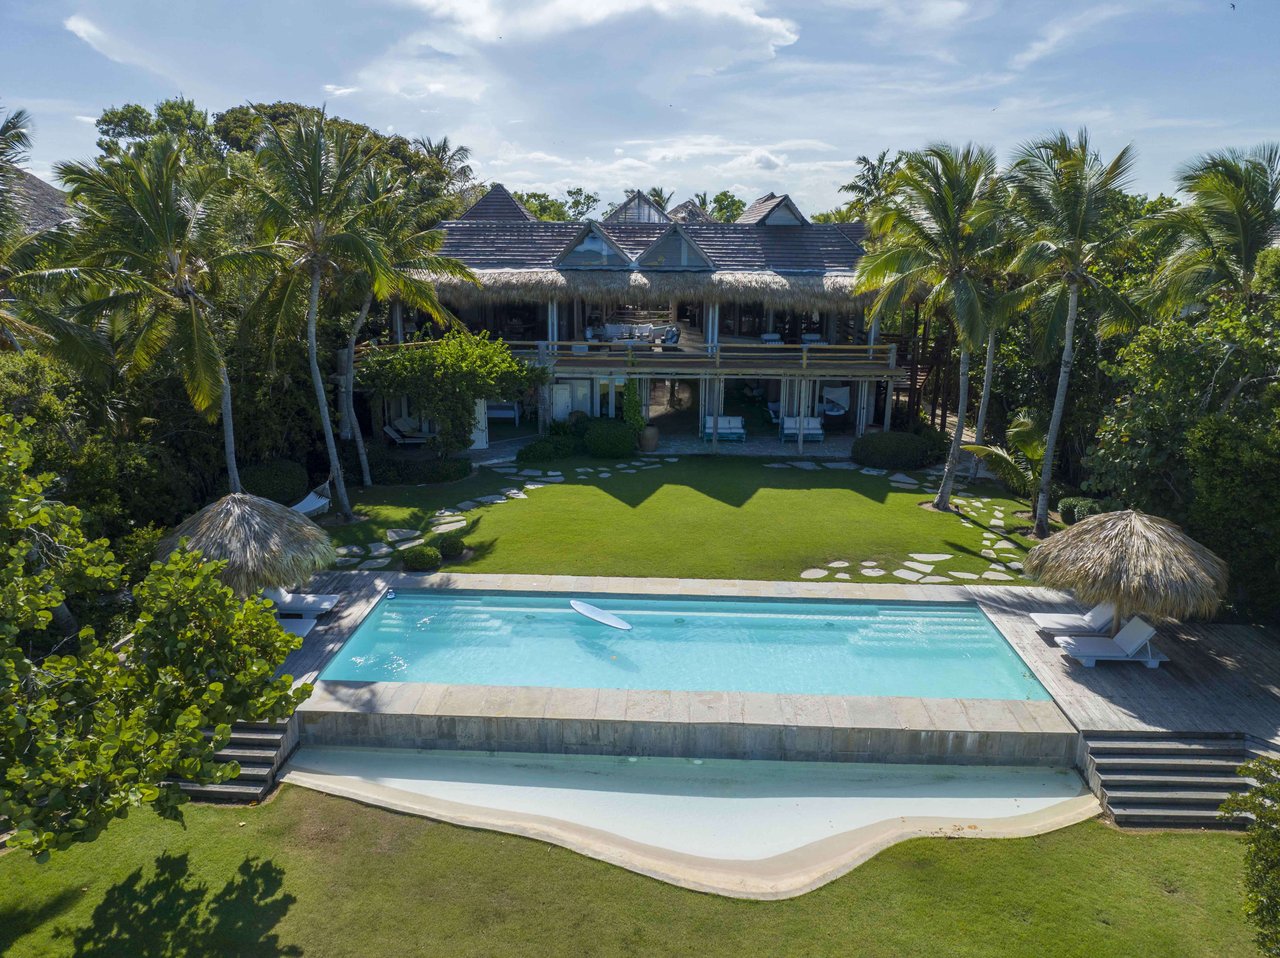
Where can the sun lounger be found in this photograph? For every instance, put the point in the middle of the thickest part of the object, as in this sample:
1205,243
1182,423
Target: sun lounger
729,427
1131,644
400,439
298,627
811,425
307,606
1097,621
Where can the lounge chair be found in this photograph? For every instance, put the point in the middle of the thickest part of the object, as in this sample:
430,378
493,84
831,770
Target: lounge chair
810,425
298,627
306,606
1097,621
400,439
729,427
1131,644
774,339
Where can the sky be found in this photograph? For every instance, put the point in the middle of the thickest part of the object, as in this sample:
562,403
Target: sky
745,95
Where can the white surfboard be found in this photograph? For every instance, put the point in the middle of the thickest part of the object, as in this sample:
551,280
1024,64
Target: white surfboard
599,615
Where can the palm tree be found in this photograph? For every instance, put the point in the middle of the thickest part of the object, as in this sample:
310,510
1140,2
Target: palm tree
1060,189
937,228
1017,467
145,246
450,162
411,252
703,200
1234,215
868,186
660,196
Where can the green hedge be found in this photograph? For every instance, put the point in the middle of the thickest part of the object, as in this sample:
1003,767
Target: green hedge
1074,508
279,480
388,468
610,439
896,450
451,546
422,559
547,449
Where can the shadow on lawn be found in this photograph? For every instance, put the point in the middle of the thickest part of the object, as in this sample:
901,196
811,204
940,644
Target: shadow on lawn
172,913
19,921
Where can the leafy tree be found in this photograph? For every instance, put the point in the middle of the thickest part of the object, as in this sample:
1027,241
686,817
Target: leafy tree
1060,189
841,214
543,206
938,234
580,203
176,117
88,733
726,207
1262,849
443,378
1019,466
659,196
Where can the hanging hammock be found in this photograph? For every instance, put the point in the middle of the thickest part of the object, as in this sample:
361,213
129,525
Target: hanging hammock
315,502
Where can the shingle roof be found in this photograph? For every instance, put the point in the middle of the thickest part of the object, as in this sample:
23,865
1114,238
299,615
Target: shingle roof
690,212
498,206
498,244
637,208
764,206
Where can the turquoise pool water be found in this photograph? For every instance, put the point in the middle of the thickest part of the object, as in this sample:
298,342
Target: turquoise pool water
924,649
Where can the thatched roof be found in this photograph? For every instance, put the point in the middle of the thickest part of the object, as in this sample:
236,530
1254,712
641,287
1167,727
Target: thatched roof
655,287
1142,564
265,545
40,205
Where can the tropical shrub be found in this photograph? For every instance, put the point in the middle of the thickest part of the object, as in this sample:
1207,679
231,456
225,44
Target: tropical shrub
441,470
451,546
1074,508
547,449
1262,850
280,480
1018,469
136,550
421,559
895,450
610,439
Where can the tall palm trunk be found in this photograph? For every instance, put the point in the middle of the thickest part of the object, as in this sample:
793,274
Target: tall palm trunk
229,433
1059,406
322,401
348,392
942,502
988,371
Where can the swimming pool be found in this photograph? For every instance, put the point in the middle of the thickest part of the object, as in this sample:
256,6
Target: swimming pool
919,649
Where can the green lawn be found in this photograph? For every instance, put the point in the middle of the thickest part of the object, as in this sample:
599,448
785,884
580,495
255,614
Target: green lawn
703,517
308,874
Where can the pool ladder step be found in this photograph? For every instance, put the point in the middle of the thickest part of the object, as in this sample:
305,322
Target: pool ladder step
260,748
1167,780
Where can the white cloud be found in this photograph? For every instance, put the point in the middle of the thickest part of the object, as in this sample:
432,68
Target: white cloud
86,119
108,45
334,90
1062,31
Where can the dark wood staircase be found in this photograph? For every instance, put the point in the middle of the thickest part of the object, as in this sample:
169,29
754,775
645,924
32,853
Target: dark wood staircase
261,748
1167,780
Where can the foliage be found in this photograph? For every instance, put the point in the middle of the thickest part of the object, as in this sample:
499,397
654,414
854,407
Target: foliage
390,467
443,378
547,449
1074,508
136,551
543,206
280,480
1018,469
89,734
451,546
580,202
894,450
177,117
659,196
632,408
421,558
610,439
726,207
869,187
1262,849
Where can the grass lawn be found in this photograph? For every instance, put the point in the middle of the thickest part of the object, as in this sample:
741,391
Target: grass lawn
702,517
308,874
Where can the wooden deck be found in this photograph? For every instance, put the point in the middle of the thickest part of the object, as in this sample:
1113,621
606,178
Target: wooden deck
1219,678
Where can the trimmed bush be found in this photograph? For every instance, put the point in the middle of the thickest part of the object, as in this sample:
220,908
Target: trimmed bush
422,559
1074,508
440,470
895,450
451,546
279,480
547,449
389,468
610,439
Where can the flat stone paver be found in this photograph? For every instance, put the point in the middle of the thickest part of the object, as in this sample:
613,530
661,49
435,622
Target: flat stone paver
813,573
909,574
381,548
375,563
399,535
838,564
932,556
350,550
409,544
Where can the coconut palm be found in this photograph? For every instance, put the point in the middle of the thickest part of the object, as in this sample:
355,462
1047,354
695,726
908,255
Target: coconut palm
145,246
938,230
1018,466
660,196
1234,215
411,251
704,201
868,186
450,161
1060,189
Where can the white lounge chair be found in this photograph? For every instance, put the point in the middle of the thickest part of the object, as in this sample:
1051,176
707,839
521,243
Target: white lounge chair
811,425
307,606
1131,644
400,439
298,627
1097,621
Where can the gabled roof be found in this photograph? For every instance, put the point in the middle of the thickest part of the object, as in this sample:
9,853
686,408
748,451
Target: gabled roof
608,242
506,244
40,206
498,206
770,208
690,212
661,251
637,208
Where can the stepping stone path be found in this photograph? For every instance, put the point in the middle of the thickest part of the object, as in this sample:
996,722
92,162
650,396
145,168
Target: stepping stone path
998,576
656,465
988,554
530,486
381,549
554,472
998,522
441,513
605,475
813,574
909,574
838,564
350,550
935,578
631,471
399,535
840,465
867,470
409,544
375,563
450,526
843,575
809,466
584,469
493,500
873,572
902,477
530,472
903,485
506,469
347,561
776,465
516,494
867,563
932,556
671,459
466,506
965,575
921,567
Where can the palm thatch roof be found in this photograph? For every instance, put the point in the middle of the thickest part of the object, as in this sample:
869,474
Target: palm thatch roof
655,287
265,545
1142,564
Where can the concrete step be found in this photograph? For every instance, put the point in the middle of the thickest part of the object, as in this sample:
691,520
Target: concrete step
254,773
1107,735
259,737
1148,816
1180,747
1202,798
225,792
1211,764
246,755
1176,780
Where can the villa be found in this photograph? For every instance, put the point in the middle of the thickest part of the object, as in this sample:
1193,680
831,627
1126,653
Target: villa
680,299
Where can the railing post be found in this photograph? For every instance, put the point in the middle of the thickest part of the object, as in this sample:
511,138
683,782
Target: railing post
893,355
804,356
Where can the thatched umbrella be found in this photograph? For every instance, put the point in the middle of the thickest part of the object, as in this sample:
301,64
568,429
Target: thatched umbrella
266,545
1143,565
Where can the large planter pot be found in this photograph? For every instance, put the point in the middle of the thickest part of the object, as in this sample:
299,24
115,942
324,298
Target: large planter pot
649,439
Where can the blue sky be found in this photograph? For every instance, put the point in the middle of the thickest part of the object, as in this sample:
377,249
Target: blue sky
690,94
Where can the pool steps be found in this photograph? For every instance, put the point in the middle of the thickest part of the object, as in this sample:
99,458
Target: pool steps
261,748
